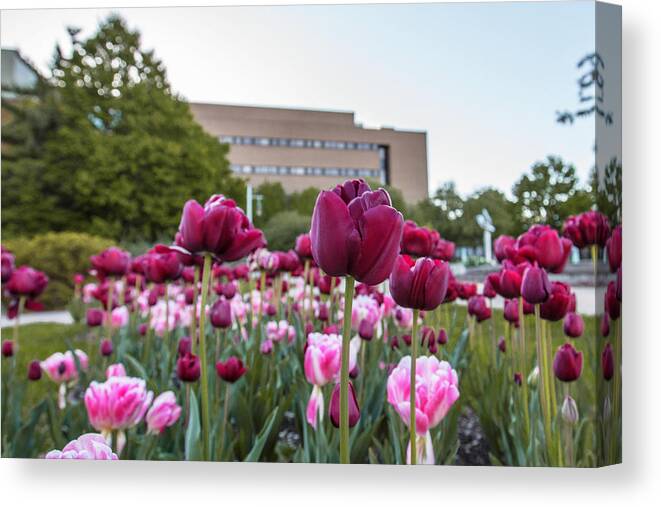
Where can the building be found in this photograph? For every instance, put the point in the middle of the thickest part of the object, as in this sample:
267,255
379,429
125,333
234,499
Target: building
16,73
306,148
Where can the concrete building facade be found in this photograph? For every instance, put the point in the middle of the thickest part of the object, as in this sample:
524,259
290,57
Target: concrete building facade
306,148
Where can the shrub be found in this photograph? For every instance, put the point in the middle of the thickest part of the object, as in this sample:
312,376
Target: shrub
60,255
282,228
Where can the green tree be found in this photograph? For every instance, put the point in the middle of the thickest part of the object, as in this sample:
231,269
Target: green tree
303,202
548,193
274,200
124,153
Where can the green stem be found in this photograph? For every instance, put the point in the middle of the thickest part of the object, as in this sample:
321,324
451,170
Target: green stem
21,304
524,367
193,326
544,395
344,374
414,353
226,407
615,418
109,310
204,384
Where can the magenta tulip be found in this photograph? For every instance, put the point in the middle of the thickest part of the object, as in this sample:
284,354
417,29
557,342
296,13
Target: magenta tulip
356,232
188,367
558,303
303,246
612,305
34,370
501,246
416,241
221,314
162,265
334,407
231,370
419,284
607,362
567,363
586,229
94,317
477,307
614,249
111,262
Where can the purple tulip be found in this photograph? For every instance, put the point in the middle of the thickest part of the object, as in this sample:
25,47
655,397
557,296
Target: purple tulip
221,314
334,408
188,367
419,284
106,348
535,285
94,317
607,362
614,249
34,370
567,363
356,232
573,325
111,262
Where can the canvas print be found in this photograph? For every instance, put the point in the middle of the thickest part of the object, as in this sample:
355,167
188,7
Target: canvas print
355,234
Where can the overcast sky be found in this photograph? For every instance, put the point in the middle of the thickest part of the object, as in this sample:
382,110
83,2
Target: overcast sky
484,80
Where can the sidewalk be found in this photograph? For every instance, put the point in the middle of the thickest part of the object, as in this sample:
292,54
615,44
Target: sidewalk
59,317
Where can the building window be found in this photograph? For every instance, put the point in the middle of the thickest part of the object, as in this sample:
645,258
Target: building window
306,171
284,142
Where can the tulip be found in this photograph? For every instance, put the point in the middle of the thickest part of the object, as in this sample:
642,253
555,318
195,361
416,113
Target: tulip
162,265
466,291
443,250
442,336
500,246
614,249
334,407
535,285
111,262
511,311
88,446
303,246
420,284
106,348
573,325
366,330
509,283
142,329
502,346
184,346
188,367
567,363
8,265
542,244
518,378
163,413
26,281
231,370
416,241
94,317
487,289
605,327
558,304
477,307
220,229
7,348
618,285
436,384
62,367
221,314
115,370
34,370
569,411
78,279
612,305
607,362
356,232
586,229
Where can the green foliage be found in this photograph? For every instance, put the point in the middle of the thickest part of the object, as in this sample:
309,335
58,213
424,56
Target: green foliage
274,200
60,256
113,148
304,201
546,194
608,191
281,230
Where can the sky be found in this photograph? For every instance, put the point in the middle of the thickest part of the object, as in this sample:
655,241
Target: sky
483,80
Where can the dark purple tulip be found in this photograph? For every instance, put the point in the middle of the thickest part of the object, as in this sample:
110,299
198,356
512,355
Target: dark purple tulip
416,241
106,348
433,348
427,335
394,342
26,281
567,363
221,314
270,309
607,362
355,372
228,290
7,348
573,325
442,336
188,367
111,262
142,329
220,228
557,306
618,285
231,370
518,378
356,232
303,246
94,317
611,303
502,346
322,312
34,370
466,290
535,285
511,311
605,326
162,265
477,307
184,346
421,284
614,249
366,330
589,228
334,407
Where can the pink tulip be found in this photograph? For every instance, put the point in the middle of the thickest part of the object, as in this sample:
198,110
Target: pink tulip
62,367
115,370
436,391
119,317
119,403
278,331
163,413
87,446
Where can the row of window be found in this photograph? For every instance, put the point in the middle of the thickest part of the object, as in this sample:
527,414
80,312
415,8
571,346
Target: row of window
297,143
306,171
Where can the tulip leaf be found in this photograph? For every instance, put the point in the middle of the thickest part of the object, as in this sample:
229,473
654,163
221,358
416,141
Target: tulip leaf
24,440
193,449
136,366
261,439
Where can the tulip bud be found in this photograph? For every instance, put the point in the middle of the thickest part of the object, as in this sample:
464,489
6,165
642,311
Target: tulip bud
106,348
34,370
355,371
334,409
501,344
568,363
407,339
322,312
569,411
231,370
511,311
605,326
533,377
535,286
574,325
309,328
518,378
442,336
184,346
607,362
189,295
270,310
7,348
188,367
221,314
94,317
433,347
394,342
611,303
142,329
366,330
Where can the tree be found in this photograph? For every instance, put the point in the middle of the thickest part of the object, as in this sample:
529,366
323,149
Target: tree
124,153
503,213
274,200
548,193
304,201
